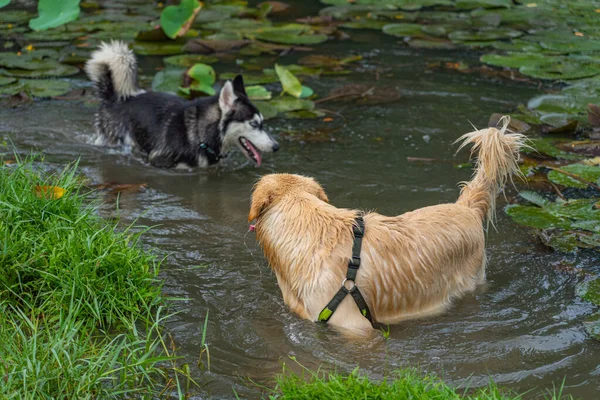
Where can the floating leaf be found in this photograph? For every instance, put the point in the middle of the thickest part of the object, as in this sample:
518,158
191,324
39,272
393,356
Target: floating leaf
289,82
516,60
545,146
49,192
157,48
432,44
535,217
177,20
168,80
204,77
284,104
54,13
6,80
188,60
266,109
258,92
403,30
590,291
534,198
306,92
4,3
203,46
588,173
471,4
286,37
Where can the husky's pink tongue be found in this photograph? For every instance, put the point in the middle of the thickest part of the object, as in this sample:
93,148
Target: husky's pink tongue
255,152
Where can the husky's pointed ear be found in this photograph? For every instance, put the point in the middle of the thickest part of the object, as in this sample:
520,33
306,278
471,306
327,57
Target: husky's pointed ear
238,85
227,98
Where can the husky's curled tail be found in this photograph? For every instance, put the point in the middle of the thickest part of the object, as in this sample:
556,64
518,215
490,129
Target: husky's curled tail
113,69
497,161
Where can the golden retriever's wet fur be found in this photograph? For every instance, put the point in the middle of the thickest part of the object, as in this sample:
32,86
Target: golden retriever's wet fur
412,265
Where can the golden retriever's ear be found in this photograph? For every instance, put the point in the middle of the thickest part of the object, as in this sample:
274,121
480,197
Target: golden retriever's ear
260,200
322,196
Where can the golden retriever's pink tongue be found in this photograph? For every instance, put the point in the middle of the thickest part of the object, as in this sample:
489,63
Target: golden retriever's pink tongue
252,228
255,152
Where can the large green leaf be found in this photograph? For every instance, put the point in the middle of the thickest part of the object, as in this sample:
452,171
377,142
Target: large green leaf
590,291
484,35
37,87
402,30
168,80
203,78
177,20
4,3
258,92
54,13
535,217
516,60
284,104
289,82
471,4
589,173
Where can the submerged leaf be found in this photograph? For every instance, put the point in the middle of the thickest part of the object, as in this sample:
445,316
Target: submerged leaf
535,217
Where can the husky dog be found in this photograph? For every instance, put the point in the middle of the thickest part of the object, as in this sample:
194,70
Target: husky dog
171,130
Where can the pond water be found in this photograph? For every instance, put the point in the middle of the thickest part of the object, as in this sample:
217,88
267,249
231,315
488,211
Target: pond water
523,328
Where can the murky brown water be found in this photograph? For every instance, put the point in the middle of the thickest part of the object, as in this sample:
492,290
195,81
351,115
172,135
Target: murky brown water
523,329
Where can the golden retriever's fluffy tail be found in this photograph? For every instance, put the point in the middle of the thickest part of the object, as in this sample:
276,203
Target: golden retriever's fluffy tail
497,160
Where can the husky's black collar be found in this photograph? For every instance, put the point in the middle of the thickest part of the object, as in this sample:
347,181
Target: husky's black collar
211,154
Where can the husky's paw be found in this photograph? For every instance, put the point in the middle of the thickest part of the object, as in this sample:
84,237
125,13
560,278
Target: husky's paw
161,160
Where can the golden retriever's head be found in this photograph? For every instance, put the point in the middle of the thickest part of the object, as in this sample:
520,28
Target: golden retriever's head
272,187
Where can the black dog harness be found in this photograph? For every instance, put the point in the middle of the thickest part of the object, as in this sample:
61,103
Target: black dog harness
353,264
210,154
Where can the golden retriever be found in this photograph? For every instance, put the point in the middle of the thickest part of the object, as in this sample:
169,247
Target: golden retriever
412,265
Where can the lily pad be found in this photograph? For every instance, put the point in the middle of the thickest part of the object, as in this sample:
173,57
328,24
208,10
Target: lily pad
590,291
203,78
365,23
561,70
288,37
432,44
267,109
284,104
545,146
177,20
15,16
306,92
168,80
289,82
516,60
472,4
157,48
536,217
188,60
589,173
53,69
52,13
484,35
37,87
258,92
6,80
403,30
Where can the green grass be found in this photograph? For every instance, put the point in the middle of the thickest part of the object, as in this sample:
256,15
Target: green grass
408,384
80,301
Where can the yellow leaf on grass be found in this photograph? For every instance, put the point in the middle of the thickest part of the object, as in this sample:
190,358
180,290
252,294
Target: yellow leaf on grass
49,192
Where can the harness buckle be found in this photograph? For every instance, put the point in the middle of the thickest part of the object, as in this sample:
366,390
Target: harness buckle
354,262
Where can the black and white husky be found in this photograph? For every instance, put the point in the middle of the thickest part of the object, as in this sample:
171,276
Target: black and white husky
171,130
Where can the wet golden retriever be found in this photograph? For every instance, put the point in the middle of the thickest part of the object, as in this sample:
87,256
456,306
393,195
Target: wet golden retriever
412,265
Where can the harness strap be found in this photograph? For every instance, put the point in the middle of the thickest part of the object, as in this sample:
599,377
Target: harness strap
353,264
210,154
